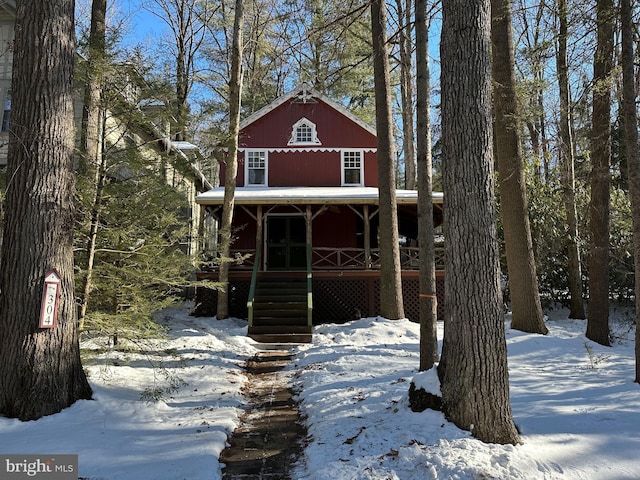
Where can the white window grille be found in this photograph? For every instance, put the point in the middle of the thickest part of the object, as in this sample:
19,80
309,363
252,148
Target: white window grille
256,161
352,167
304,132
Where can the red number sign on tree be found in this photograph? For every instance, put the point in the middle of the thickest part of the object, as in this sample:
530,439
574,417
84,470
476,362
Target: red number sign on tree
50,295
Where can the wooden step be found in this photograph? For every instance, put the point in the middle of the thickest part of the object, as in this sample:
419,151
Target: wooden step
282,337
280,311
281,334
279,307
279,299
280,321
281,292
280,329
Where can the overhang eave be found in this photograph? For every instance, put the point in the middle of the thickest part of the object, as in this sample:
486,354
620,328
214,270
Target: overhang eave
310,196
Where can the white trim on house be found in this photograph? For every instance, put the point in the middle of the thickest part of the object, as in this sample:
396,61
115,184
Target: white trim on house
308,195
313,133
247,170
304,149
344,167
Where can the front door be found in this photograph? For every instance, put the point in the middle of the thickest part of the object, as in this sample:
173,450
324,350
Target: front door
286,243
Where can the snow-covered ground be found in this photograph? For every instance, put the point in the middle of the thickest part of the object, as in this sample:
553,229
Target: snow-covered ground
574,401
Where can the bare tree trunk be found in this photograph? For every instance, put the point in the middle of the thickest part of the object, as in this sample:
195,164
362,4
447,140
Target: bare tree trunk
40,368
93,236
235,95
633,156
391,305
473,368
428,298
574,268
598,313
90,134
521,265
406,92
91,149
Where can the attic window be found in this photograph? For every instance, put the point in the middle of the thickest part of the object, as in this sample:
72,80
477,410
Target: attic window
304,133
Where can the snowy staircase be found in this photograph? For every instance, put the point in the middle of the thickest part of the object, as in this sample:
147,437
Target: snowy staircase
280,309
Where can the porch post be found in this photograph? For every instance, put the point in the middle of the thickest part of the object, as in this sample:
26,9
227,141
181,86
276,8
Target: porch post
309,221
259,232
201,220
367,237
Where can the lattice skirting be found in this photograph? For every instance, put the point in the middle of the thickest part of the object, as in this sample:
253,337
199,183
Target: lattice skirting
335,299
341,300
207,300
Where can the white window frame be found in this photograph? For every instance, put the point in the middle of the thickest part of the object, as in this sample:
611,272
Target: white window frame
343,167
294,133
247,155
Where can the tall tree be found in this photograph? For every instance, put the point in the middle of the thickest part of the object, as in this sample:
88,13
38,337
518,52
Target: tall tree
473,368
406,91
598,312
91,152
235,95
574,267
333,50
187,21
428,298
391,305
533,45
264,61
40,368
521,265
633,156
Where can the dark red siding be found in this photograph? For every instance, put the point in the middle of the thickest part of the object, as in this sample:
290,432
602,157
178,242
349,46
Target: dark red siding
306,165
273,130
370,169
244,230
304,169
335,228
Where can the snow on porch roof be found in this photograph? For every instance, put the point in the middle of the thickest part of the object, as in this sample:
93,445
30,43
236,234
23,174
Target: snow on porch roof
308,195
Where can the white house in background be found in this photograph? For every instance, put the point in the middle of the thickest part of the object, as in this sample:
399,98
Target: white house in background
7,20
181,160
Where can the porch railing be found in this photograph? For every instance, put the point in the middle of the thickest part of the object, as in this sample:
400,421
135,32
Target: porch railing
309,287
355,258
327,258
252,287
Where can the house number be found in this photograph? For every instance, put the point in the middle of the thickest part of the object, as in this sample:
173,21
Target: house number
50,295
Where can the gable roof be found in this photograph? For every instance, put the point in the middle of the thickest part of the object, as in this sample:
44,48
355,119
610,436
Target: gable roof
305,93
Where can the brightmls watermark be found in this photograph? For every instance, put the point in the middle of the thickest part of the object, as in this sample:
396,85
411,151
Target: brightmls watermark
49,467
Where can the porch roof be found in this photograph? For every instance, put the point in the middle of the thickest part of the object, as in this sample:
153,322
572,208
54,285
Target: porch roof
309,195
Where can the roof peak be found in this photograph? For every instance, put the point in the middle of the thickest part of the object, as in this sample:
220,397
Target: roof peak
306,94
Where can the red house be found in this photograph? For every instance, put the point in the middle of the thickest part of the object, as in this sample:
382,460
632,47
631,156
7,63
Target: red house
306,215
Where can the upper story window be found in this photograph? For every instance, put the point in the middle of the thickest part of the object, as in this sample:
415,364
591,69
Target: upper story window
256,167
352,167
304,133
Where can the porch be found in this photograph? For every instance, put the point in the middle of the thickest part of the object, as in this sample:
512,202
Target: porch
342,289
315,251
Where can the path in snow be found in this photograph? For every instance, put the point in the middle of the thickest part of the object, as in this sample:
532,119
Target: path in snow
269,439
